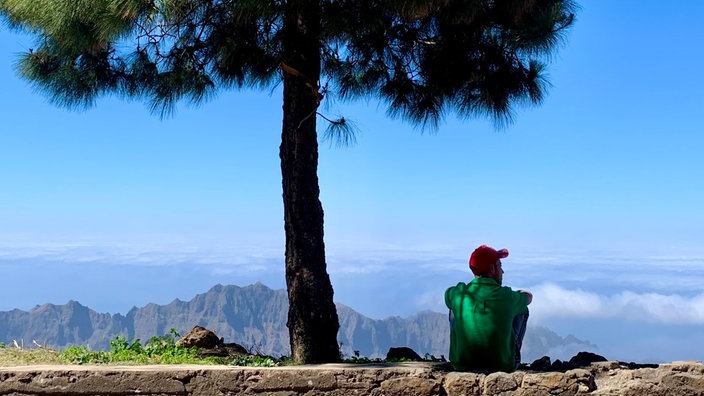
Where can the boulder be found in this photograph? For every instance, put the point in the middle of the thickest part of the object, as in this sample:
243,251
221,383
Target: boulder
583,359
209,344
401,353
200,337
580,360
542,364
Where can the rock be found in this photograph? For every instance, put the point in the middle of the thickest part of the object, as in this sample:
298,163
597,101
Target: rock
463,383
671,379
634,365
559,365
225,350
580,360
410,386
542,364
402,353
200,337
209,344
234,348
572,382
502,383
584,359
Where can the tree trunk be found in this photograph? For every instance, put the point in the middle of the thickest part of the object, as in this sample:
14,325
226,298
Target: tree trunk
312,317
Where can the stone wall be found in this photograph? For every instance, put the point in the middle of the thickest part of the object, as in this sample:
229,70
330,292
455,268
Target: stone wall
606,378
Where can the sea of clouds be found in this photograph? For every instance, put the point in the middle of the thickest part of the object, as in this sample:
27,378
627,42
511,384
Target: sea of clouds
632,308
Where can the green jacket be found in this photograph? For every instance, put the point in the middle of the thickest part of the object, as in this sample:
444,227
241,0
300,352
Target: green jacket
481,332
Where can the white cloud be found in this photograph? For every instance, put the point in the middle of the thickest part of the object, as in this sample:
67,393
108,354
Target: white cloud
431,301
167,253
664,288
551,300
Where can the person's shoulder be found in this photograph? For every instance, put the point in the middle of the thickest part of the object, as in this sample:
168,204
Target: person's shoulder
453,293
515,295
458,286
510,290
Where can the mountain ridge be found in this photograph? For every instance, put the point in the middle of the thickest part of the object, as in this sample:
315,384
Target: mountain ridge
253,316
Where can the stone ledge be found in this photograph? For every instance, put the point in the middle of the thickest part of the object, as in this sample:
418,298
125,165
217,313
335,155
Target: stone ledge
607,378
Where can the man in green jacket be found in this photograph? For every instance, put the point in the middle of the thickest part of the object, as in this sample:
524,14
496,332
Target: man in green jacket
487,320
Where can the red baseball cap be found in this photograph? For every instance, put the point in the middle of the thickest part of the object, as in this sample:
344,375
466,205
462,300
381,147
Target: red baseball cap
484,257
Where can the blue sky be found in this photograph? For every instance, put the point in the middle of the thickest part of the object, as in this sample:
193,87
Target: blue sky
597,193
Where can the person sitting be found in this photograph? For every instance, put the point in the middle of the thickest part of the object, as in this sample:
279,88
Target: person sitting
487,320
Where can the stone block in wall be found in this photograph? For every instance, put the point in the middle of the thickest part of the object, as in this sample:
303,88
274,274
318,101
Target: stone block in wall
463,384
572,382
501,383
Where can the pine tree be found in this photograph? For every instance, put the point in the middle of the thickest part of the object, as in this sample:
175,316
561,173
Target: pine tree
424,58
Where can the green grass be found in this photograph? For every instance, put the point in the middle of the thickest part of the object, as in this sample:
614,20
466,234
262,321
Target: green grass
24,357
157,350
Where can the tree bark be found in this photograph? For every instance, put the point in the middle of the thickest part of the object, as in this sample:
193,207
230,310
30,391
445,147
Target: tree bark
312,318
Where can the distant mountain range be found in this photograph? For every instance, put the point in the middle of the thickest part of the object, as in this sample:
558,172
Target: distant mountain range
253,316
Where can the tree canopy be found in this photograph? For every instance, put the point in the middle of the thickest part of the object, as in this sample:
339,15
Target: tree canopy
424,59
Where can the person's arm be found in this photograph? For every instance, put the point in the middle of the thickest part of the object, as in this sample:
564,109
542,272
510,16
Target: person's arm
529,296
